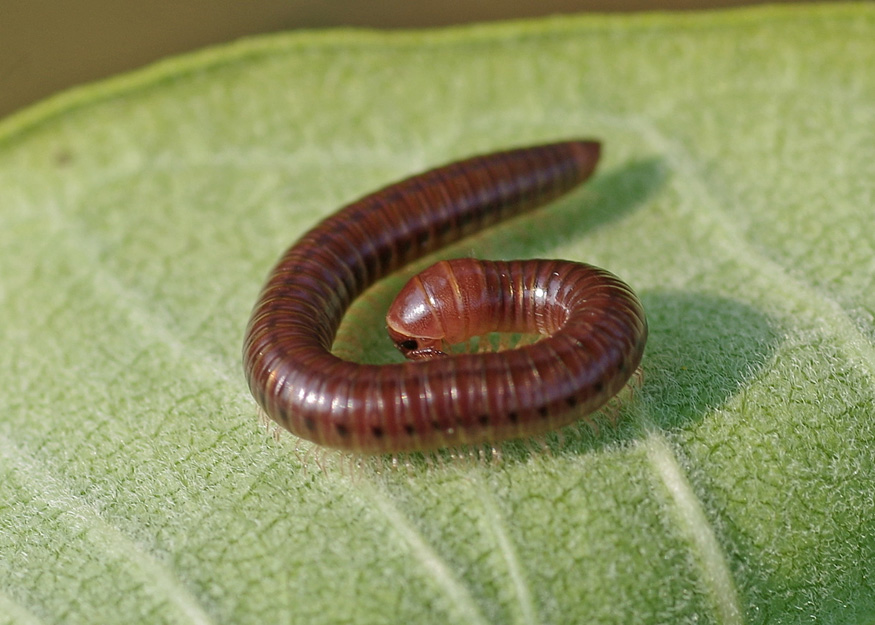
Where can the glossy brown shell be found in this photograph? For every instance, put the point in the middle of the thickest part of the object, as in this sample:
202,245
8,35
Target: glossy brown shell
447,401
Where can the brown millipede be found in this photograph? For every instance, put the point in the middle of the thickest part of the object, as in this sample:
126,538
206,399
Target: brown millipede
595,324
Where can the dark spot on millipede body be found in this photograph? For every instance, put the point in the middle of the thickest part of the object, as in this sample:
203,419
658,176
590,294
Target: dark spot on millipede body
309,424
377,431
599,387
409,429
436,425
622,366
466,218
342,430
483,419
372,263
543,412
571,401
384,255
512,417
409,344
358,272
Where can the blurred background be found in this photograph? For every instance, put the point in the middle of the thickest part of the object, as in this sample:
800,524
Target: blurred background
46,46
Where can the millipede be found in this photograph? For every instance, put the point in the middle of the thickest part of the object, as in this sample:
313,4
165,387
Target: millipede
592,325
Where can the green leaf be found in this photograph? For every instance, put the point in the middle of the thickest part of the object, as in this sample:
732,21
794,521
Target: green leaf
139,216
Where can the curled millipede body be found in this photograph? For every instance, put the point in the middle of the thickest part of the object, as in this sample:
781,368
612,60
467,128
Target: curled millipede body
594,324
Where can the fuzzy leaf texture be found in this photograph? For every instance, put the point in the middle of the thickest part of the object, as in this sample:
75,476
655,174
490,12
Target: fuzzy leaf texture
139,217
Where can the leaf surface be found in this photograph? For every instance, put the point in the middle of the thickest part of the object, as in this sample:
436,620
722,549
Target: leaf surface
139,217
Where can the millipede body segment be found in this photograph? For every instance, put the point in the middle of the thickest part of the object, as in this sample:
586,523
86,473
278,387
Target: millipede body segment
594,325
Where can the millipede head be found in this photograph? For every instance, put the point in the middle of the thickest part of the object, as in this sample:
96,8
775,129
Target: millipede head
413,323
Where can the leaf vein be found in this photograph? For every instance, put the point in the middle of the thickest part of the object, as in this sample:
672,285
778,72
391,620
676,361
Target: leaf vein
430,560
102,535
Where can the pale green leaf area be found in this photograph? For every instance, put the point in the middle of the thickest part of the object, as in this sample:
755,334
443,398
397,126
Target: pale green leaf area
138,218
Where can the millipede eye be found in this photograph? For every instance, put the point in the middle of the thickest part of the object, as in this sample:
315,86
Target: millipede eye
408,345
